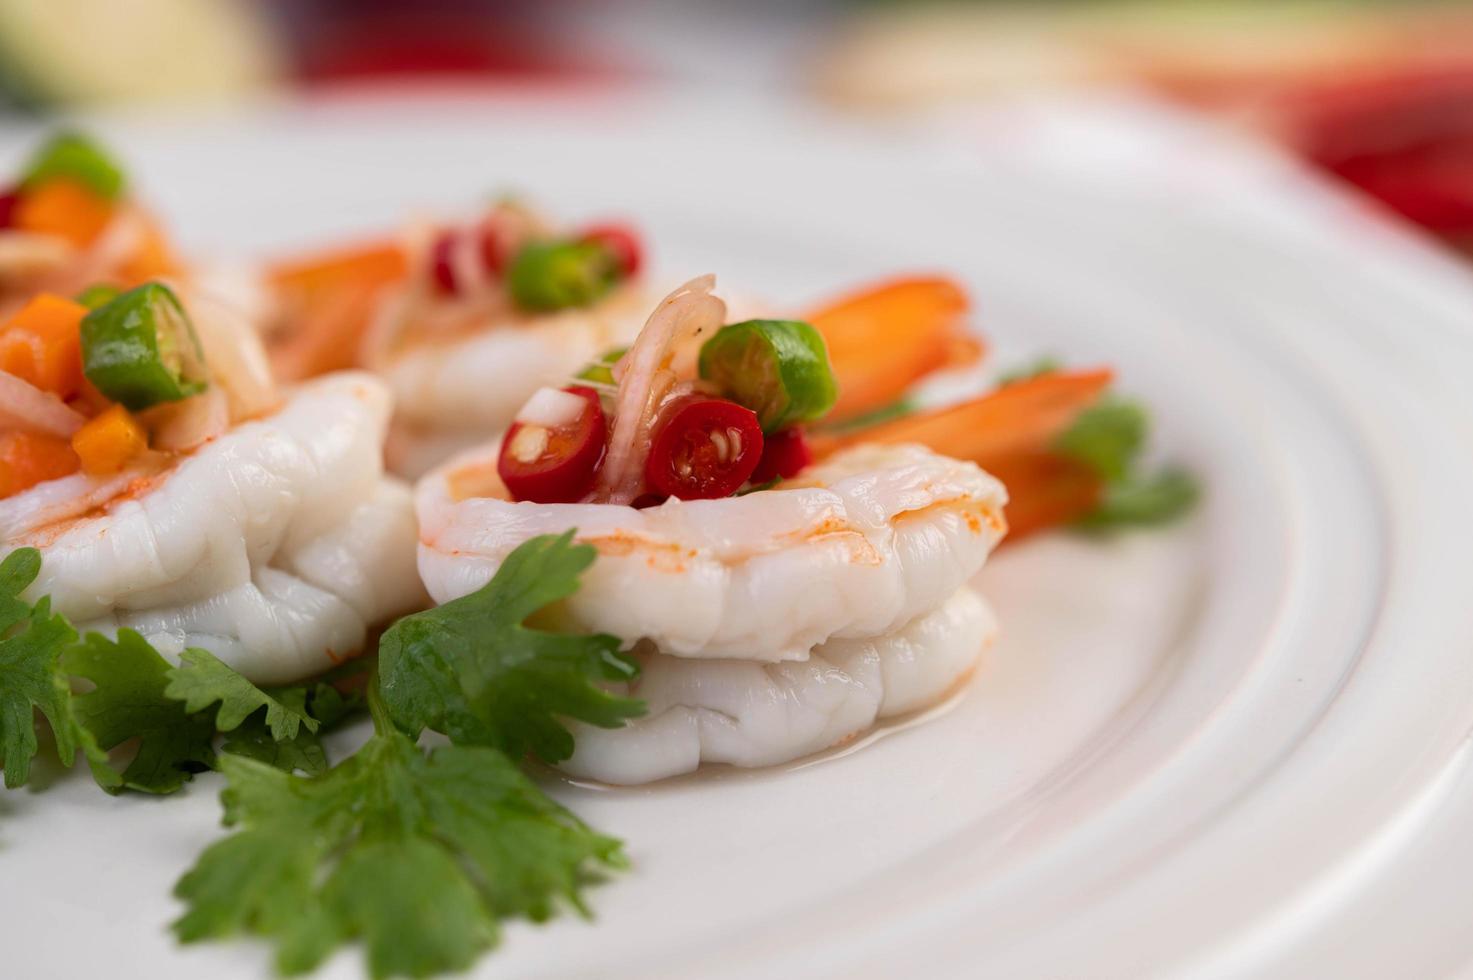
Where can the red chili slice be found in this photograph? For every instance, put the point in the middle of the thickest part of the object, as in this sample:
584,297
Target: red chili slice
9,200
442,263
704,448
784,455
558,465
621,242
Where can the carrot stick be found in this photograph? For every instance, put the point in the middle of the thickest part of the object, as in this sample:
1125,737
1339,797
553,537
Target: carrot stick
1017,418
884,339
1045,490
327,303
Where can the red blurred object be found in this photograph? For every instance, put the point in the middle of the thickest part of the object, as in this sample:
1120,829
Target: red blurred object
704,449
358,40
442,263
1406,140
621,241
784,455
8,201
565,469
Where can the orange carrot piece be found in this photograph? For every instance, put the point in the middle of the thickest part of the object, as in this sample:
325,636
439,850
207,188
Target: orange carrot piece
28,458
109,442
371,265
1045,490
327,303
63,208
1017,418
42,344
884,339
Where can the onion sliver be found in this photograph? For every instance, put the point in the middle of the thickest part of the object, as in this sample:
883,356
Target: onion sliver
24,406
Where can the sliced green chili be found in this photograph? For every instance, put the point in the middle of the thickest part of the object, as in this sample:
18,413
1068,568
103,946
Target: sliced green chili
777,368
72,156
140,349
548,276
601,371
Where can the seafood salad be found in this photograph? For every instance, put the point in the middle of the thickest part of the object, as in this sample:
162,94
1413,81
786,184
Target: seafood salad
461,319
648,536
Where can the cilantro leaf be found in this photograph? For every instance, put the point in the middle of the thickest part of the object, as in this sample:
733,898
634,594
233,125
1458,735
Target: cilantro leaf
201,679
472,670
1137,503
32,640
303,752
418,855
1107,436
128,702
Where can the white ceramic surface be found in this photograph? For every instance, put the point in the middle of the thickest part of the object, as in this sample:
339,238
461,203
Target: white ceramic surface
1236,748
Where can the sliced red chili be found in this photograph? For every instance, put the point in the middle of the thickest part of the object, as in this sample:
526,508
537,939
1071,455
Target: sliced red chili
784,455
442,263
621,242
555,465
704,448
9,200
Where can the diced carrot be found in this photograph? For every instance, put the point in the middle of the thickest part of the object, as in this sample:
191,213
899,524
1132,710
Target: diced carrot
28,458
885,339
42,344
1045,490
1017,418
109,442
152,259
63,208
327,302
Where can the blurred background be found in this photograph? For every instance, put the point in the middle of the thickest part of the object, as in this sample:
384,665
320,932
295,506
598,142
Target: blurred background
1378,93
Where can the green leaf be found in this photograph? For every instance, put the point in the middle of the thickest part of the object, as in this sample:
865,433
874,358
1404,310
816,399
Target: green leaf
472,670
1137,503
1108,437
897,409
31,678
302,752
201,679
417,855
129,702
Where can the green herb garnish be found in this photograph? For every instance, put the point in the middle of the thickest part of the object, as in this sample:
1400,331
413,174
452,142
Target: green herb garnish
473,670
418,854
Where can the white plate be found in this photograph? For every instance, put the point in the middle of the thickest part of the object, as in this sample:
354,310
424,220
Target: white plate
1234,748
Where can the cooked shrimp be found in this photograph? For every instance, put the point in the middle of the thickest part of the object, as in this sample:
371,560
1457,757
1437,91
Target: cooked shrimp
454,392
745,713
275,545
858,547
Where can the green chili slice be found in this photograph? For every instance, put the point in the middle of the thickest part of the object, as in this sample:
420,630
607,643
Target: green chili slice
777,368
140,349
99,294
601,371
72,156
547,276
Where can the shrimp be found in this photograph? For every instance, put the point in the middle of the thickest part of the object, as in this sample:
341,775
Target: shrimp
859,546
453,393
274,545
745,713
